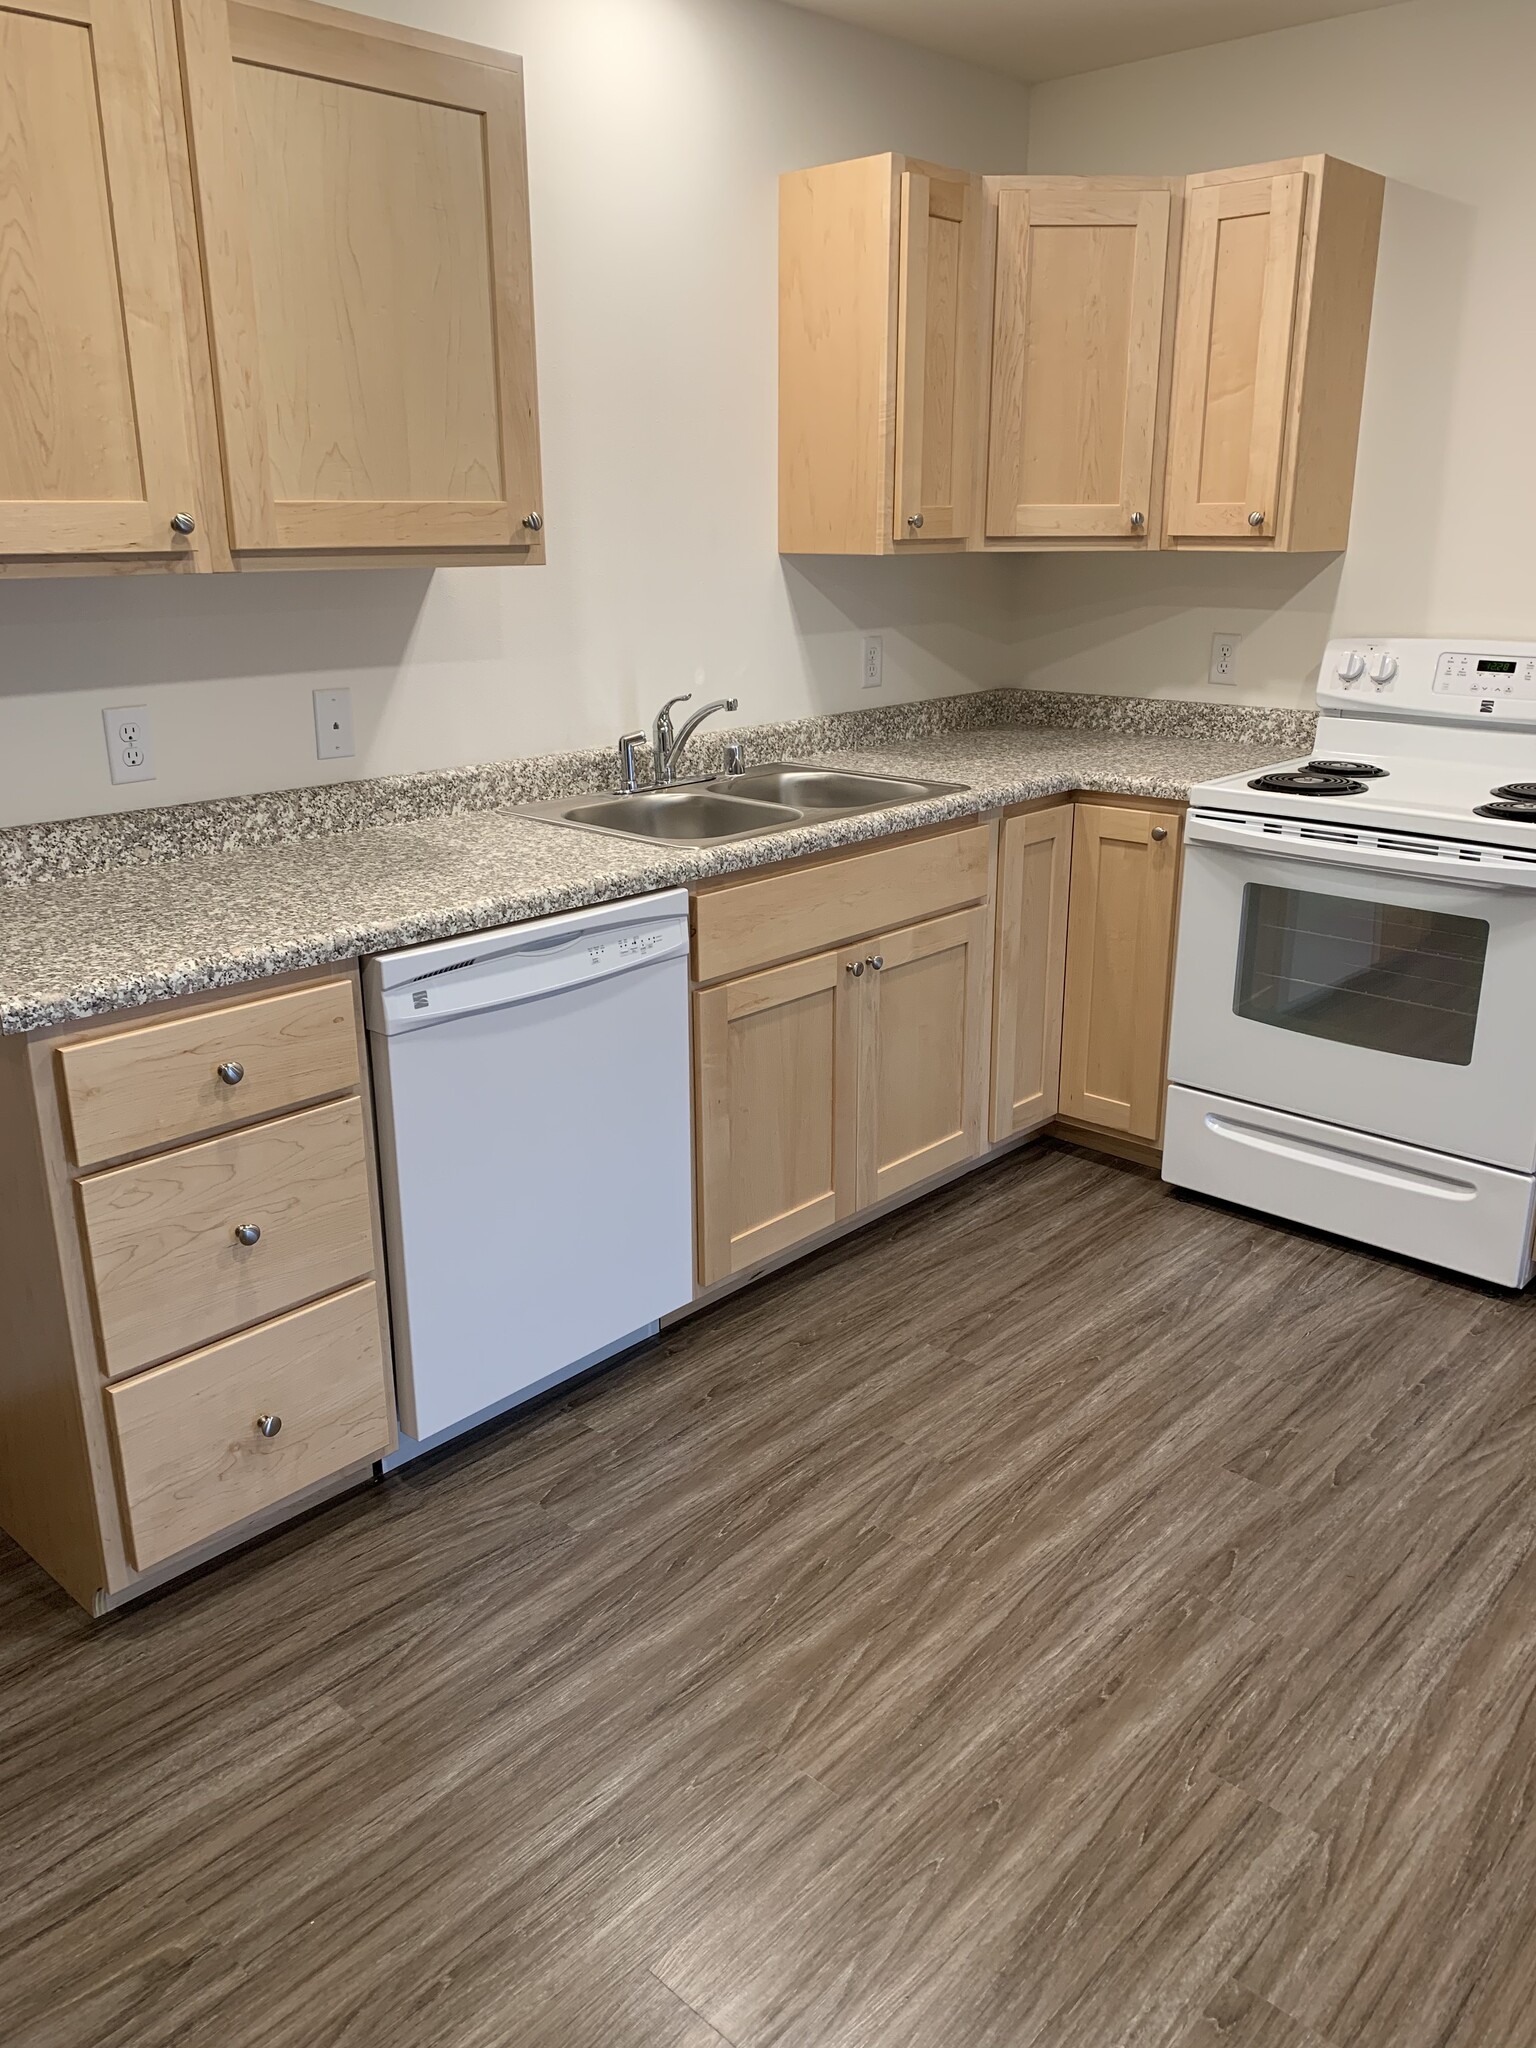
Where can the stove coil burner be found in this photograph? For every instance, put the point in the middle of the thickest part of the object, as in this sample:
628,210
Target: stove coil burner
1521,792
1521,810
1366,771
1309,782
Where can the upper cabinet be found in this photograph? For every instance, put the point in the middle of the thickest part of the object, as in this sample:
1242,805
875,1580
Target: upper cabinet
1083,276
95,429
363,205
268,293
1113,363
1278,279
879,338
936,356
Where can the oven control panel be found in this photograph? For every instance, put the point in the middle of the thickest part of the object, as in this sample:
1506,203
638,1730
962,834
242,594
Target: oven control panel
1485,675
1463,680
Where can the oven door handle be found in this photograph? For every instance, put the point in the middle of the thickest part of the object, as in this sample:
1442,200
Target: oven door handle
1479,867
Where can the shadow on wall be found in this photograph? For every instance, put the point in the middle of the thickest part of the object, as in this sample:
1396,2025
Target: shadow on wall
950,623
60,634
1141,625
1413,388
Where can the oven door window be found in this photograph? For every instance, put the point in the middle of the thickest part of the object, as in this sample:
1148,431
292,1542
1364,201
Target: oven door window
1376,975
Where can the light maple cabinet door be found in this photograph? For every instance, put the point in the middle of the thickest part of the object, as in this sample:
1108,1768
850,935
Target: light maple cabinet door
922,1051
1030,967
1233,365
363,206
1120,951
937,349
95,403
775,1064
1080,310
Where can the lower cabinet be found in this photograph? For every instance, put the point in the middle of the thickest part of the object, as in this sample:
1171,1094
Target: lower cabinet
921,1044
774,1113
1119,967
1034,875
196,1339
833,1083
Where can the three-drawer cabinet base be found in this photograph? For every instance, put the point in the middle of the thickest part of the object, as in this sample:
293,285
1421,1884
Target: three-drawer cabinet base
198,1346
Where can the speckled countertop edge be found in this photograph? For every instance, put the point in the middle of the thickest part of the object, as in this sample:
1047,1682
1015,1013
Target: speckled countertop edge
86,945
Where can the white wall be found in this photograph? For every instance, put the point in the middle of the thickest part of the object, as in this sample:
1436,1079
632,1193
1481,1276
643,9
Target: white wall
1441,96
657,130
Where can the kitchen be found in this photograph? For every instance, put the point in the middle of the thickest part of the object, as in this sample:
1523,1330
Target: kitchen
1005,1598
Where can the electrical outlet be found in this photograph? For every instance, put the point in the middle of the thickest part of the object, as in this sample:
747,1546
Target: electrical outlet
874,661
130,743
1224,657
333,725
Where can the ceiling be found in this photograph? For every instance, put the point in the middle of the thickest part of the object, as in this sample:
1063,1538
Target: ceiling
1037,39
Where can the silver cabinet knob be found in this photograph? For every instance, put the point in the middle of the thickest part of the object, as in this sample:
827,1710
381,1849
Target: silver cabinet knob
1138,520
183,522
856,968
1255,519
248,1233
877,961
231,1073
534,522
270,1425
915,521
1159,831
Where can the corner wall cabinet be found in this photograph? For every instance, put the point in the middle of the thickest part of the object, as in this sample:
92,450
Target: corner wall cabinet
1084,275
275,307
1112,363
196,1342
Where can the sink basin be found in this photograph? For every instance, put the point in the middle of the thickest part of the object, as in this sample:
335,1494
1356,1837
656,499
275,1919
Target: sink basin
688,815
770,799
831,789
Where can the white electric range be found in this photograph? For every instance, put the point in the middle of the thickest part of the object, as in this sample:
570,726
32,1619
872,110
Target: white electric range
1353,1043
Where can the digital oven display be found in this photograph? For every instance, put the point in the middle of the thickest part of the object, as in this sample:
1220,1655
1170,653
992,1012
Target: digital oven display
1486,678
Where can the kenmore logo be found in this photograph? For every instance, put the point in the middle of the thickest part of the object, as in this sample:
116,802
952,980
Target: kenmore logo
420,999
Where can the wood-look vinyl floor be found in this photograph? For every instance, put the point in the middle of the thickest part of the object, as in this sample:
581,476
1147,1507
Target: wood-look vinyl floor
1066,1616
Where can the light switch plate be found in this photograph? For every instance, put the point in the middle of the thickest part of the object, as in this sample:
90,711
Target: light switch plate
130,743
333,725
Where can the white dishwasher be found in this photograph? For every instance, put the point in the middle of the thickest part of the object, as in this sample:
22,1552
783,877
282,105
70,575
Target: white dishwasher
535,1133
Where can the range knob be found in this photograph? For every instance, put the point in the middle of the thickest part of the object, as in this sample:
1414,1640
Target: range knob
1383,669
1351,668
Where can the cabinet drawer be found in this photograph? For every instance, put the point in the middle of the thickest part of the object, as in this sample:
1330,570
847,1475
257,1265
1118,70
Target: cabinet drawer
807,910
192,1459
167,1268
161,1084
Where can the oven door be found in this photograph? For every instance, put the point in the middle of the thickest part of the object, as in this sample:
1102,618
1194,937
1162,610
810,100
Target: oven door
1344,986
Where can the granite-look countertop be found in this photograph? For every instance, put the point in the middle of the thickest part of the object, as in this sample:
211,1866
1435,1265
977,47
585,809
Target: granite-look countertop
92,943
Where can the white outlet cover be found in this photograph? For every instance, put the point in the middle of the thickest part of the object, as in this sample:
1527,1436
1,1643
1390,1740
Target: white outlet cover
873,670
1224,648
130,743
333,725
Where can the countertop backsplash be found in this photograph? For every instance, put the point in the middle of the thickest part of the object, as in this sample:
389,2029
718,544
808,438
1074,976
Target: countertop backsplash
98,845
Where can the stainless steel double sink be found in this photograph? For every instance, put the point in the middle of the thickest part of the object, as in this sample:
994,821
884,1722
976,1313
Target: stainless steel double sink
772,799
